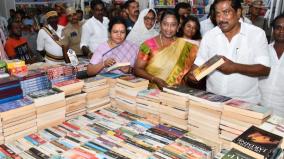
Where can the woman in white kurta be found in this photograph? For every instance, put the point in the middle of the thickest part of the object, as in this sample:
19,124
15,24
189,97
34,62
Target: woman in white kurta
272,87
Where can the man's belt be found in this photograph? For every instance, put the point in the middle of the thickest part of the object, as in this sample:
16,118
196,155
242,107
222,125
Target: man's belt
53,57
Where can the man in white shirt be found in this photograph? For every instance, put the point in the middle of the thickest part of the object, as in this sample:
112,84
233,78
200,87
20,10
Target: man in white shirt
272,87
243,47
94,30
48,40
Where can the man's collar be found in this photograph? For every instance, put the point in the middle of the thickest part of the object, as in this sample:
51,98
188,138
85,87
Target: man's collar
243,30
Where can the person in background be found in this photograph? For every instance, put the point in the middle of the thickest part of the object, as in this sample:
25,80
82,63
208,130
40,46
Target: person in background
158,22
254,12
132,9
12,15
16,46
80,15
190,30
3,55
144,27
94,31
183,9
19,16
272,87
62,18
164,59
244,49
115,50
30,33
48,40
123,12
208,23
72,32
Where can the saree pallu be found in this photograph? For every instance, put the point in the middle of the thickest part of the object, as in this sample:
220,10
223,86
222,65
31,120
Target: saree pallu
173,62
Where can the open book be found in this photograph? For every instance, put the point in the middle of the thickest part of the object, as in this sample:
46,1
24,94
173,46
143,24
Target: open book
117,66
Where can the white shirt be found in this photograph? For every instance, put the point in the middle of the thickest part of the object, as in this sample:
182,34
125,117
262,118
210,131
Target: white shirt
272,87
94,33
45,42
249,46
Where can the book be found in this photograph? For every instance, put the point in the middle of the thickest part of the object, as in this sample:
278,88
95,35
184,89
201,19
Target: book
208,67
47,96
132,81
257,143
235,154
247,109
117,66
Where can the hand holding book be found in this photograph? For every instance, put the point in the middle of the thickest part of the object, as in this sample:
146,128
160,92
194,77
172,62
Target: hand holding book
109,62
228,67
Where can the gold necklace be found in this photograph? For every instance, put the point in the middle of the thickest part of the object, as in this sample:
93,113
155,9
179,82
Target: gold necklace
161,40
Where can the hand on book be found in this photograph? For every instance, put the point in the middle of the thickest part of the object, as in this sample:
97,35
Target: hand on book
109,62
228,67
159,82
125,69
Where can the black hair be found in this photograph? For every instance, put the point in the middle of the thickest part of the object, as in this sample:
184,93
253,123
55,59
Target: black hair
79,11
169,12
94,3
273,23
197,35
9,27
116,20
183,5
152,11
127,3
235,4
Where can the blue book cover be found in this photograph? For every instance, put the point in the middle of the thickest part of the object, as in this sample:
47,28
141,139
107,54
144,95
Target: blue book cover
15,104
12,98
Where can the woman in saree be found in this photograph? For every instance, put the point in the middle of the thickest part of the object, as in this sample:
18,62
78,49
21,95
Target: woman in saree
115,50
164,59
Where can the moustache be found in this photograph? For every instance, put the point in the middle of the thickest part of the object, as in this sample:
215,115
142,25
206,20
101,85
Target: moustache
137,11
221,23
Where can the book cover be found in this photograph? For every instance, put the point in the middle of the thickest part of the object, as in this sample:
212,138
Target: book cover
235,154
117,66
44,93
15,104
257,143
208,67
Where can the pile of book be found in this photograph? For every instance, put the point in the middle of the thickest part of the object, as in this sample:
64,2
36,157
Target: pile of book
10,89
239,115
97,95
35,80
126,90
205,111
18,118
70,87
50,107
148,104
60,73
17,67
174,108
75,105
258,143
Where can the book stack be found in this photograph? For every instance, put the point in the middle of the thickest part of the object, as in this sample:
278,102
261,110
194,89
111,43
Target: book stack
111,80
10,89
18,118
97,91
17,67
126,90
174,108
75,105
258,143
205,111
239,115
148,104
50,107
60,73
35,80
70,87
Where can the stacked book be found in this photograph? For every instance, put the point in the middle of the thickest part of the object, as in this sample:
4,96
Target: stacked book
17,67
148,104
75,105
50,107
174,107
70,87
239,115
97,95
18,118
258,143
126,90
60,73
35,80
10,89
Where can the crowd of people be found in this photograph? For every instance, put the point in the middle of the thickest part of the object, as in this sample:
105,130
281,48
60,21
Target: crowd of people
163,46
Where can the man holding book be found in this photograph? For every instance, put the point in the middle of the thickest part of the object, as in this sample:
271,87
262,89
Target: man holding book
244,49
